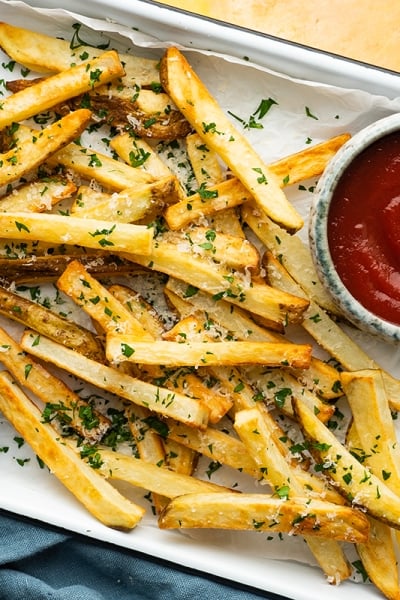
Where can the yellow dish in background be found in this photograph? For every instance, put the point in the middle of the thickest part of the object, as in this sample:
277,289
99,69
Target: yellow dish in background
363,30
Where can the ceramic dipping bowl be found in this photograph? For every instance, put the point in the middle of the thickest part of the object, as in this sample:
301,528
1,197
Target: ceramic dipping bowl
354,229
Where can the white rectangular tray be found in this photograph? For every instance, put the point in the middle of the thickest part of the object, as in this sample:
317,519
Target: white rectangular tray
31,491
179,26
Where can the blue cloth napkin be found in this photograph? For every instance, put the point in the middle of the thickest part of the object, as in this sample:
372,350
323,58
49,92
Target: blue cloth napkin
38,562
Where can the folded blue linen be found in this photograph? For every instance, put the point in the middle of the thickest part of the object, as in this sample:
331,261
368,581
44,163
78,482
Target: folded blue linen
38,562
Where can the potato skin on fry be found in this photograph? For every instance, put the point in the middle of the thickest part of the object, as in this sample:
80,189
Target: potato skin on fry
261,512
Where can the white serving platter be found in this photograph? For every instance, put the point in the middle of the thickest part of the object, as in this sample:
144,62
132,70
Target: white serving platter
29,490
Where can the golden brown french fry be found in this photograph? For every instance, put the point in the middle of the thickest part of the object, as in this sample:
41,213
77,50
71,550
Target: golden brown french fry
101,499
38,196
355,481
49,323
292,252
372,418
43,53
90,164
208,119
228,194
230,250
62,86
206,166
218,197
222,283
30,153
257,434
154,478
330,336
91,233
156,398
128,206
50,266
123,347
307,163
378,554
74,412
260,512
96,301
142,310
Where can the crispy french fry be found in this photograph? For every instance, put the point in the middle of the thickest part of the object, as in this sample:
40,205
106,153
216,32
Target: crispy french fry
74,411
330,336
230,250
158,399
372,418
206,166
207,118
100,304
223,283
91,233
122,347
291,251
151,477
29,154
256,432
218,197
260,512
128,206
355,481
378,553
111,173
228,194
102,500
49,267
38,196
44,321
57,88
44,53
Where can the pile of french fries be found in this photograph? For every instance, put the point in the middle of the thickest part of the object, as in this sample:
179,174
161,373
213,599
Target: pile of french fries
213,372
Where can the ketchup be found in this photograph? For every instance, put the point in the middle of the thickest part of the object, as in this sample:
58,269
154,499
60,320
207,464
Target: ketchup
364,228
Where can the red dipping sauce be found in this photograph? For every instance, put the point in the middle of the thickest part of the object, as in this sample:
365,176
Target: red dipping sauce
364,228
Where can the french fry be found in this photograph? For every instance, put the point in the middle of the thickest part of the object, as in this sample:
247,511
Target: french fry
230,193
256,433
91,233
378,553
44,321
75,412
62,86
158,399
29,154
372,418
330,336
206,166
128,206
207,118
218,197
113,174
355,481
122,347
49,267
44,53
222,283
143,474
101,499
101,305
230,250
260,512
294,255
38,196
